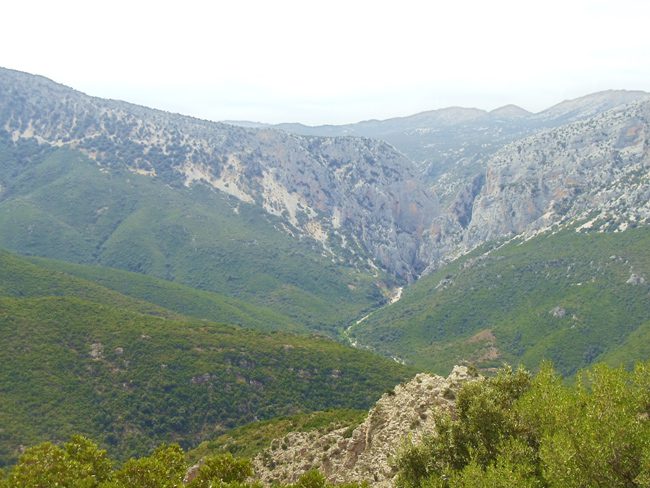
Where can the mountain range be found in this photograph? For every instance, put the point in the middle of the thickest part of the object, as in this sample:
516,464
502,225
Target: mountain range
358,198
147,253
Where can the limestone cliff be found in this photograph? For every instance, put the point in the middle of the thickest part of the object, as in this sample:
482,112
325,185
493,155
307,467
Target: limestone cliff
364,453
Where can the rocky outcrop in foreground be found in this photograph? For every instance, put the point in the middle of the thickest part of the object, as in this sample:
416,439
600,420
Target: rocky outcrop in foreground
364,453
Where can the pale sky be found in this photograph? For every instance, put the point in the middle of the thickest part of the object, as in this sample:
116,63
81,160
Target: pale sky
330,61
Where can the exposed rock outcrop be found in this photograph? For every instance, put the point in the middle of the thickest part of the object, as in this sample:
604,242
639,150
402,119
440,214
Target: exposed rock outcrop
497,174
595,171
364,453
359,198
635,279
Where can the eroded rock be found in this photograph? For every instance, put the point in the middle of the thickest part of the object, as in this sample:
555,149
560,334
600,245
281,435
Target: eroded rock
364,453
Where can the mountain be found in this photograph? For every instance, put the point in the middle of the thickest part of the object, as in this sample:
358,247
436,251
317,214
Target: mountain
591,105
451,143
357,199
79,357
352,201
462,236
596,168
294,224
510,112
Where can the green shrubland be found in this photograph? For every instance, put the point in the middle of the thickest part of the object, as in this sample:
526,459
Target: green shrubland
78,357
566,297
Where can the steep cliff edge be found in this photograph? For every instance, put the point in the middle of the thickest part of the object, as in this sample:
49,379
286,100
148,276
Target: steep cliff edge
364,453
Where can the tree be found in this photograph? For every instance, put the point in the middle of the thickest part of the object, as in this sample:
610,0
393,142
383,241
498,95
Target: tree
79,463
511,431
223,470
163,469
483,419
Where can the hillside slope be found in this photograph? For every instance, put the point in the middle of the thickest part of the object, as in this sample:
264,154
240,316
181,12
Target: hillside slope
38,277
182,299
57,203
78,357
571,297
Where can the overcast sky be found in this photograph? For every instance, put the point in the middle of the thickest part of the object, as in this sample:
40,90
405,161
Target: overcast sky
330,61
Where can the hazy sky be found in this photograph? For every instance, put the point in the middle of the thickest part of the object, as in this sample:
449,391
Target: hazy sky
330,61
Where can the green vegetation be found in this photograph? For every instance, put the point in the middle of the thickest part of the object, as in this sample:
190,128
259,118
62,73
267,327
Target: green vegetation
517,431
81,463
57,203
81,358
564,297
513,430
182,299
248,440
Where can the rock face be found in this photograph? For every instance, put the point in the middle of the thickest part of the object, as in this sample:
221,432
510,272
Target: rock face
595,171
510,172
364,453
359,198
635,279
472,177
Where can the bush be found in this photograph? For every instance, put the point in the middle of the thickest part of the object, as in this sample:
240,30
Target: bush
165,468
223,470
518,431
78,463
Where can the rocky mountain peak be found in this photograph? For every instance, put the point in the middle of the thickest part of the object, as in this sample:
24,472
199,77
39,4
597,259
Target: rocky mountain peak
591,105
365,453
510,112
445,116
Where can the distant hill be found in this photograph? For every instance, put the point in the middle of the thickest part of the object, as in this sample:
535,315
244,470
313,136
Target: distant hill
441,140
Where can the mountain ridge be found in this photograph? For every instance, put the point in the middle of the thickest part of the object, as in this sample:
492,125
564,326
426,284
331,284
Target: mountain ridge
605,98
315,183
358,199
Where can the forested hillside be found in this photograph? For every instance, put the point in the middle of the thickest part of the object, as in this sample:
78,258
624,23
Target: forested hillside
80,358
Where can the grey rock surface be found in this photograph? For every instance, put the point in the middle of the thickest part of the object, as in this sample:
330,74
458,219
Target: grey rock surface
498,174
366,452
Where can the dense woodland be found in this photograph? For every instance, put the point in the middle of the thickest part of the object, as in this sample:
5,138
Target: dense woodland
512,430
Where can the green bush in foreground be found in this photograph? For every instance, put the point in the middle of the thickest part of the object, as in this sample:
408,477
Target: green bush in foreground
517,431
79,463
